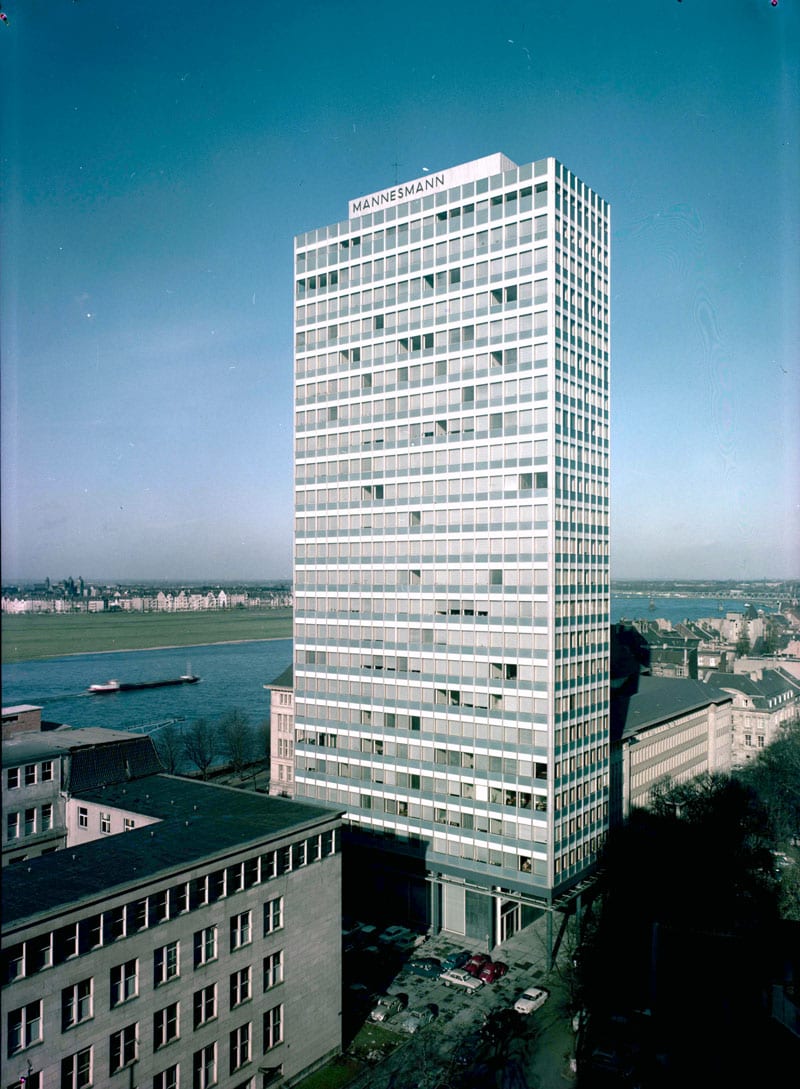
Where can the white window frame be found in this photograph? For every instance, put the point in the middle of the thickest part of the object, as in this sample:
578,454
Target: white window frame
77,1003
24,1027
273,915
205,946
273,969
241,930
166,963
123,1047
273,1027
124,982
241,986
204,1067
166,1025
204,1006
76,1069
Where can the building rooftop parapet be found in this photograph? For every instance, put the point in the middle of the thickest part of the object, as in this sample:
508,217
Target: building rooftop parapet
195,821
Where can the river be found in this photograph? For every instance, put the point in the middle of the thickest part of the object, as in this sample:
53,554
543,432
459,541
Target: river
232,675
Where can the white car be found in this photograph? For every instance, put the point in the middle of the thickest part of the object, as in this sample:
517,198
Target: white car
531,999
457,977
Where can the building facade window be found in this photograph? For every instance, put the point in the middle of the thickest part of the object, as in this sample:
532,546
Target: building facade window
12,778
76,1004
241,930
13,825
204,1067
47,771
105,823
123,1047
76,1070
273,969
273,915
124,982
30,822
128,824
83,817
240,987
273,1027
24,1027
205,1005
205,946
165,1025
30,775
167,1079
166,963
239,1047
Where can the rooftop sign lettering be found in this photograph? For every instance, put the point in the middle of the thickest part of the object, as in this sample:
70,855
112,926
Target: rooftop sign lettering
396,193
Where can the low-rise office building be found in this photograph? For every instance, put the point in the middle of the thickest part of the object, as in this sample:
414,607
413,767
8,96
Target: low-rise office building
194,940
665,728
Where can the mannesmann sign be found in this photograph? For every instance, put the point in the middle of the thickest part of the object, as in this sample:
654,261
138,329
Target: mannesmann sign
457,175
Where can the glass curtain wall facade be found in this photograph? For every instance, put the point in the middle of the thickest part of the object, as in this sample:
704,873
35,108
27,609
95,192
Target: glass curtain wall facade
451,571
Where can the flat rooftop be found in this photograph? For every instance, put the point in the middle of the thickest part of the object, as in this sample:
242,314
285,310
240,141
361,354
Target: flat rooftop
197,822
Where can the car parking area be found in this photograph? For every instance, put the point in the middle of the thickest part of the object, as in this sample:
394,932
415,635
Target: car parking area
468,1028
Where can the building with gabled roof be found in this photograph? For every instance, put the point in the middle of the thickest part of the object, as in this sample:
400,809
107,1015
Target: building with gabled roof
762,702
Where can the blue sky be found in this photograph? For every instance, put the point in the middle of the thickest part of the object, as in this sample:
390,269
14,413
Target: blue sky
157,161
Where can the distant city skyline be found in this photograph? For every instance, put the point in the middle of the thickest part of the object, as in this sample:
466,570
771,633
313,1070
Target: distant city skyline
156,169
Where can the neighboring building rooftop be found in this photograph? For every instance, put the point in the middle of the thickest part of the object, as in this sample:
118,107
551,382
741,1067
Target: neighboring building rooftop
197,821
40,746
771,686
283,680
659,699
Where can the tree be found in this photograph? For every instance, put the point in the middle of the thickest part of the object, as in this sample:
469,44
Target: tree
743,644
774,775
170,746
200,745
236,740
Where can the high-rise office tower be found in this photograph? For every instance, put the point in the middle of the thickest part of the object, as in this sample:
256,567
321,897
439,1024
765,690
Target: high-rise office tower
451,558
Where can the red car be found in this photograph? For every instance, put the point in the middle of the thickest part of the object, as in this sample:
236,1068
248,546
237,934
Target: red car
492,971
476,963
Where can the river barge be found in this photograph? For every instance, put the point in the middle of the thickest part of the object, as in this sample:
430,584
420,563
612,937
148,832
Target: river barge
135,686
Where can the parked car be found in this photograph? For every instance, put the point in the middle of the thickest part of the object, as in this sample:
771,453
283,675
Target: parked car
394,935
476,963
425,966
457,959
531,999
460,977
492,971
387,1006
414,1020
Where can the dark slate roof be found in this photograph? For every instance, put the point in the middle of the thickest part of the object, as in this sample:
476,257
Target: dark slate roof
772,684
33,745
283,680
657,700
101,765
197,821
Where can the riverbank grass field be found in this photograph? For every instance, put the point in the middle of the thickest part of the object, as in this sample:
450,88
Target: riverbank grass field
50,636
